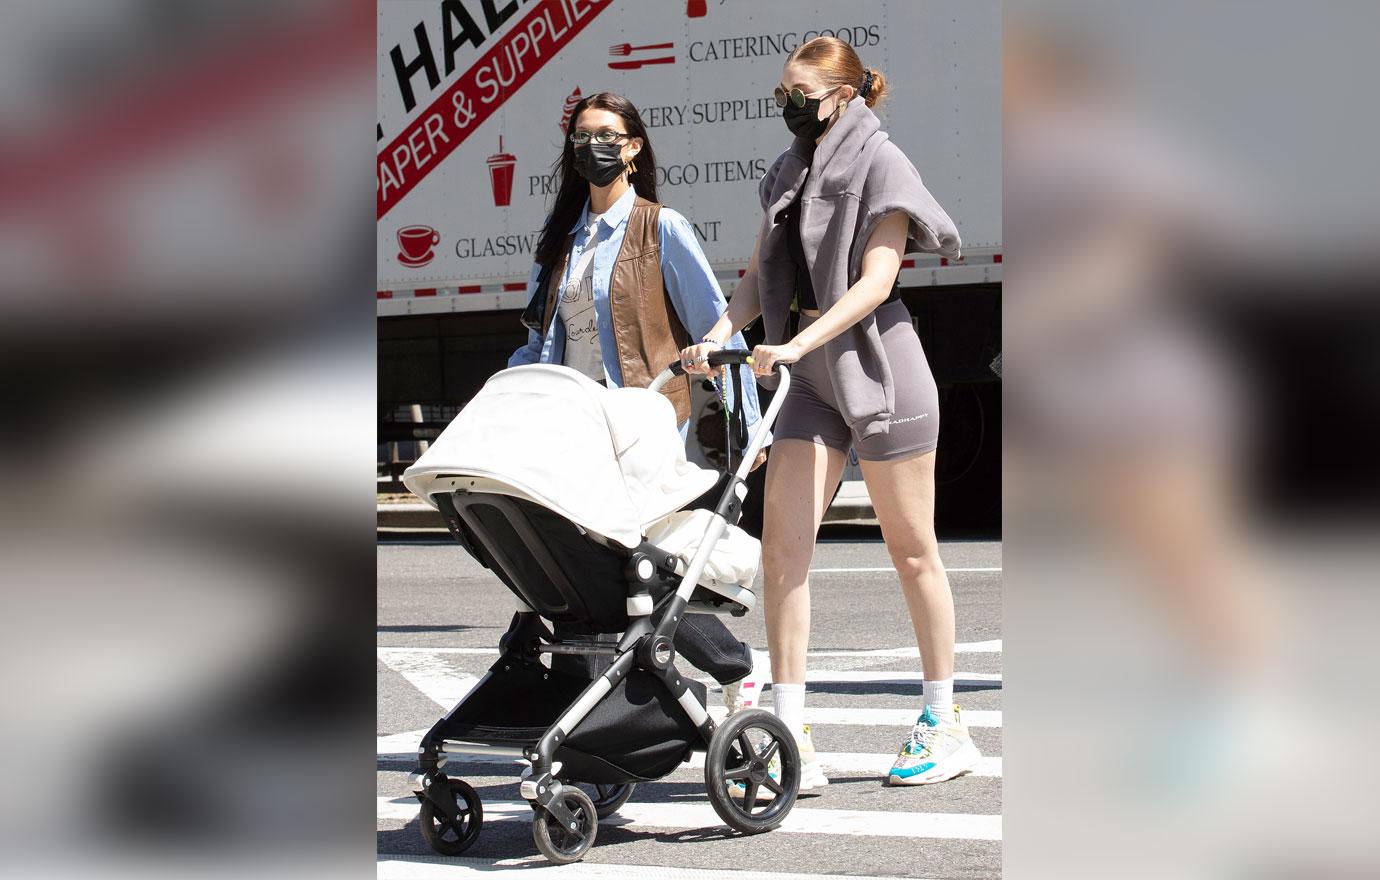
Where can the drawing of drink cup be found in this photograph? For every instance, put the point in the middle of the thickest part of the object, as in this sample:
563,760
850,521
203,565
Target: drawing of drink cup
501,175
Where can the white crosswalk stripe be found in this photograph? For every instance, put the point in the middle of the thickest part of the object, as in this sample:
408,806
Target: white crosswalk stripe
991,646
432,868
445,675
403,747
446,685
802,820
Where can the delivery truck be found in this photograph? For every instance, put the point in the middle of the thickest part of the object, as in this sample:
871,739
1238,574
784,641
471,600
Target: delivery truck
473,101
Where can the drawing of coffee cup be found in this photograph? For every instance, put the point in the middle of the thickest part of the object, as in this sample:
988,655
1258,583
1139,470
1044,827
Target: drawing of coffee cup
415,244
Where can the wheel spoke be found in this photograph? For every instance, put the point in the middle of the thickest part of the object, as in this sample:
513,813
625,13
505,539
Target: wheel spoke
750,797
775,786
739,773
772,750
748,750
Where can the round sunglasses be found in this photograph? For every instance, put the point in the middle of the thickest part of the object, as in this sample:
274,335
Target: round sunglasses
796,96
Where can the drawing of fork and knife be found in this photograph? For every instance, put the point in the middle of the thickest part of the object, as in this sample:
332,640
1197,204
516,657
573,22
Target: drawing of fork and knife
622,50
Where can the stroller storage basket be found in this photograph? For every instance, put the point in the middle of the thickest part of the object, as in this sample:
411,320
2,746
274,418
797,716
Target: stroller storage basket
637,732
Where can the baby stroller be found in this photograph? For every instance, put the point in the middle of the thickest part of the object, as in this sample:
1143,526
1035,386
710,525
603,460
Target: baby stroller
574,496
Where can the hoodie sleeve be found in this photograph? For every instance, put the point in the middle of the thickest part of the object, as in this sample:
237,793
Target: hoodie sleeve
893,184
764,186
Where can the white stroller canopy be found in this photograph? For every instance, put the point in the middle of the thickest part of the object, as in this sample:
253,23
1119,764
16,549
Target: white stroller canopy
609,459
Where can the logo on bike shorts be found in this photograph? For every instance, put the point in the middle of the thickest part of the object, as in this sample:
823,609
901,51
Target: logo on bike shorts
910,419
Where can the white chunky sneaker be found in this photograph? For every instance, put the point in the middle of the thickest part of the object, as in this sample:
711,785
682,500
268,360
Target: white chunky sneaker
811,770
934,752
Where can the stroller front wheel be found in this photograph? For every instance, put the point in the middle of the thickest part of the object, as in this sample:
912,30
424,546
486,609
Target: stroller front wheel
452,836
752,771
564,845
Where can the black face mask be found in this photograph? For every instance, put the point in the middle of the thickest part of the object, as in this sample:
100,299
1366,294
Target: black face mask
804,121
600,164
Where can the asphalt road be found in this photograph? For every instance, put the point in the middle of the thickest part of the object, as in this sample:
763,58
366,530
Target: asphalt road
440,614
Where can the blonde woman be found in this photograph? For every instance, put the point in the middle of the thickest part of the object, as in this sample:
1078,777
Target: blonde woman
842,205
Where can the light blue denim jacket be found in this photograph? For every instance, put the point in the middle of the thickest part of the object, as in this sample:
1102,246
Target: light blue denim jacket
690,283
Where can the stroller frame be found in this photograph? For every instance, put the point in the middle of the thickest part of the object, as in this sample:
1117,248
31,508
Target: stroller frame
646,644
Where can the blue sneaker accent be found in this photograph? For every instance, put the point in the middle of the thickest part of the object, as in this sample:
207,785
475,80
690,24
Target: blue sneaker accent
903,772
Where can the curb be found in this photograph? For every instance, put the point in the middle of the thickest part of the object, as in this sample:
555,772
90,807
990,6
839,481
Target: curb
852,504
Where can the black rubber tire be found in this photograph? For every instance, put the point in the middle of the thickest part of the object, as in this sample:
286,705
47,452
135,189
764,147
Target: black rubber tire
439,832
607,798
561,845
728,760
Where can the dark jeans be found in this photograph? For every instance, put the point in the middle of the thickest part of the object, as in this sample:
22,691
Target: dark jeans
702,639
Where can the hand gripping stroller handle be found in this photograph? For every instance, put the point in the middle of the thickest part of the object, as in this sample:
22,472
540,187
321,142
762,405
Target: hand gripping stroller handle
722,357
738,356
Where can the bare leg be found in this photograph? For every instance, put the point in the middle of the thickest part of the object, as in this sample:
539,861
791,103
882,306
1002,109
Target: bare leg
1175,515
902,494
801,478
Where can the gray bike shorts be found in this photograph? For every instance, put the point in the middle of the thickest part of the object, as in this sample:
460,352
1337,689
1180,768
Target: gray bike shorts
811,410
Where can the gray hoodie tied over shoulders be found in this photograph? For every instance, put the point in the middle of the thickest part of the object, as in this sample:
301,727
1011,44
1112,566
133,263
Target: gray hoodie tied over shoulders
855,178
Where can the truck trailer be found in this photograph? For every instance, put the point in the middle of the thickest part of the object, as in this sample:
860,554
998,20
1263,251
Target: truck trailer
473,101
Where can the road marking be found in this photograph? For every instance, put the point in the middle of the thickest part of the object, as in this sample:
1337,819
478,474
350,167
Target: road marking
395,867
431,675
879,717
992,646
892,570
969,680
445,687
806,820
403,747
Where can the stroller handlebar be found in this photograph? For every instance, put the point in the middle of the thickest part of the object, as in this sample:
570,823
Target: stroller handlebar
722,357
738,356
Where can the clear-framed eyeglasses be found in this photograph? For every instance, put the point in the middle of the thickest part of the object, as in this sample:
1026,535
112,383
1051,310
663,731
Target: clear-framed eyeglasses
602,136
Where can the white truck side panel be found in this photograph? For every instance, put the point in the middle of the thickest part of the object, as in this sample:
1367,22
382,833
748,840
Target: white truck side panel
710,117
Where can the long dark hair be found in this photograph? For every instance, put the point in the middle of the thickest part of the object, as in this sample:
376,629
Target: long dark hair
573,189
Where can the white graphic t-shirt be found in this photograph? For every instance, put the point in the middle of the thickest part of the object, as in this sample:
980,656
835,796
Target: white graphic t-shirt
576,308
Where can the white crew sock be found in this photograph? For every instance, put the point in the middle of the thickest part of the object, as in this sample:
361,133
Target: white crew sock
939,699
789,702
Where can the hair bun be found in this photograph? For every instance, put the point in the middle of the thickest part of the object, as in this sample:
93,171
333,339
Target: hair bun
873,86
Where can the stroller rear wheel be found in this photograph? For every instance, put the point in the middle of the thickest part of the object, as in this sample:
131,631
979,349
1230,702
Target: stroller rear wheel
608,798
562,844
447,836
752,771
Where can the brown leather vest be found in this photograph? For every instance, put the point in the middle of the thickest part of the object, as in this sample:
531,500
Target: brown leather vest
646,328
